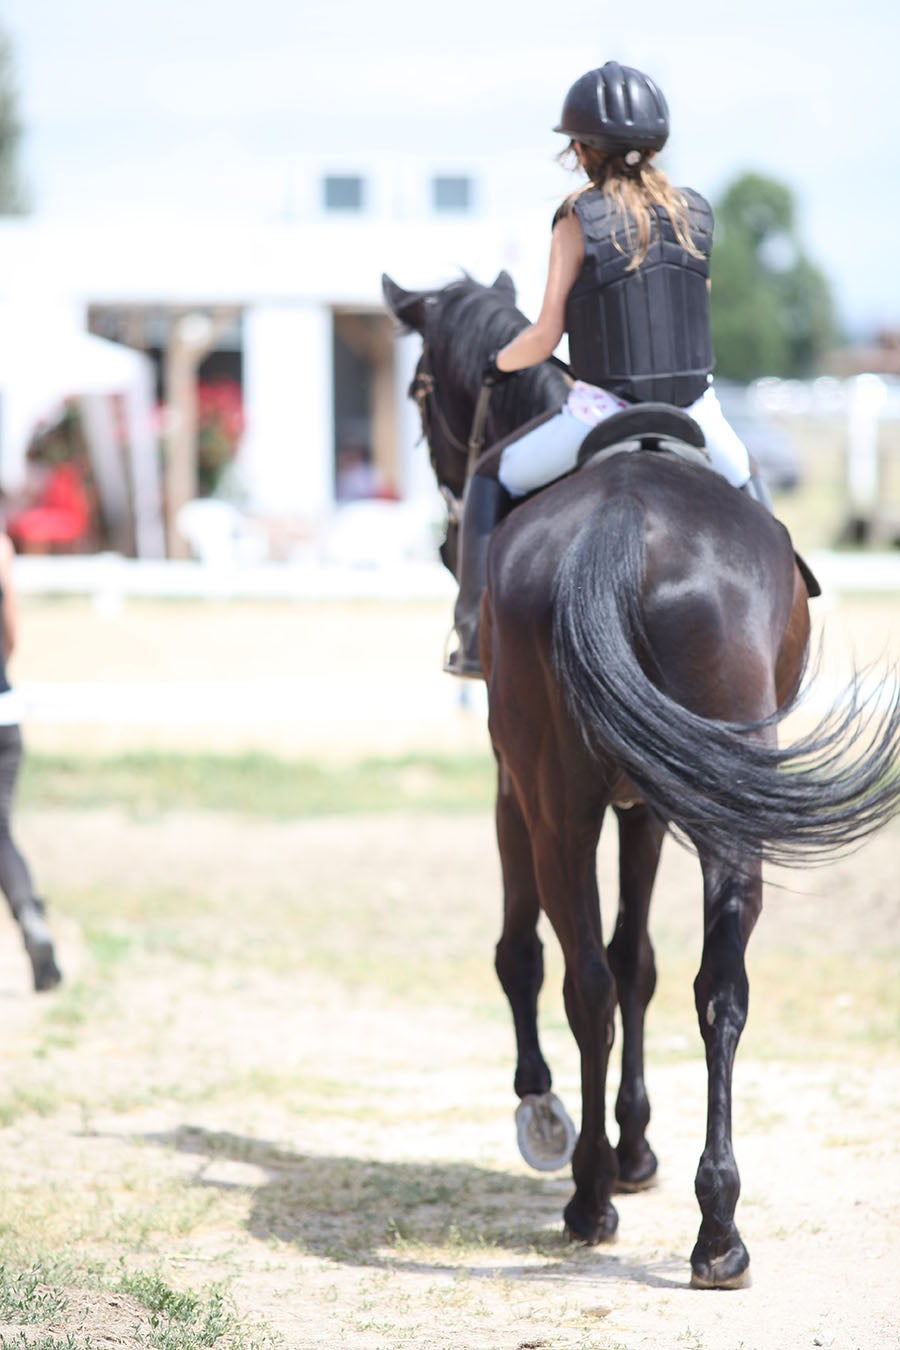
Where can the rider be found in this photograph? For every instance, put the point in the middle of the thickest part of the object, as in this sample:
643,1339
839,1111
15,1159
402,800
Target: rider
628,280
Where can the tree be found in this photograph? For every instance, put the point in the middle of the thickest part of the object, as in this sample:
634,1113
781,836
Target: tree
12,195
772,310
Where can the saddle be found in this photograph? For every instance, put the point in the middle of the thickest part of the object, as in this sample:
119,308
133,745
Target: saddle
646,426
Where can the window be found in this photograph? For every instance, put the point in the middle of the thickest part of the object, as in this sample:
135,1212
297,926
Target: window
343,192
452,193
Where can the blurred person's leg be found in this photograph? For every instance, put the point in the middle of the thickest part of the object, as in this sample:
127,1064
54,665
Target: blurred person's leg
15,878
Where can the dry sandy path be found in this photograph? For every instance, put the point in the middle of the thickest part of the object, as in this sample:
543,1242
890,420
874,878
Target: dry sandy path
416,1129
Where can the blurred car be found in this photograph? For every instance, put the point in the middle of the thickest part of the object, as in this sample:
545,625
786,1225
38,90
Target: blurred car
770,445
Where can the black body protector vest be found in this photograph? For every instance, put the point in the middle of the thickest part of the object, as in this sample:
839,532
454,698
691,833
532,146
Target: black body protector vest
644,335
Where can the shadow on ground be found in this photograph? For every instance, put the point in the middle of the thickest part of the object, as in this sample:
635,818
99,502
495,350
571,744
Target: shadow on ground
372,1213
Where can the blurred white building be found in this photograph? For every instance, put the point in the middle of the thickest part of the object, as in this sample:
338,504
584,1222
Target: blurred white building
292,311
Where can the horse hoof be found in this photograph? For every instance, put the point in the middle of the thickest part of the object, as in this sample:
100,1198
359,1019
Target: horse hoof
46,973
39,946
638,1173
579,1228
545,1133
729,1271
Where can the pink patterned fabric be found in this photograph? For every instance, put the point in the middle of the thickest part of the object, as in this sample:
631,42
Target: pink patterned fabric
592,405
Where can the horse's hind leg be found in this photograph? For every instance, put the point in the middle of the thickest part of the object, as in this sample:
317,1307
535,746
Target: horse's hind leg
631,960
565,864
520,955
732,902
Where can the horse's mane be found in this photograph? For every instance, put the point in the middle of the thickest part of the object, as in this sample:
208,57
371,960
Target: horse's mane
476,321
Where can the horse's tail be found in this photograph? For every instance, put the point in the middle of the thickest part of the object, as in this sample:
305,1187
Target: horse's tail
720,783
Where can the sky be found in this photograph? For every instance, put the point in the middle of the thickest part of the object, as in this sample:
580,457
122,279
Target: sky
189,107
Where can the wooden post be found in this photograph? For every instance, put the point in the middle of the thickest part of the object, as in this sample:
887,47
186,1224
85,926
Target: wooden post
384,410
371,337
192,337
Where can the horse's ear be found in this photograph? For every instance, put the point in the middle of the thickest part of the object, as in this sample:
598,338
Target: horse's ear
505,285
407,306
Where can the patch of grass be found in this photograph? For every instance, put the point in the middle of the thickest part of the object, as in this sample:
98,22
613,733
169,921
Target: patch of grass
22,1342
108,948
168,1318
27,1296
184,1320
179,1319
37,1098
149,784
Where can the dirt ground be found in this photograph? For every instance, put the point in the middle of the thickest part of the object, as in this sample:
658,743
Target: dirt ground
377,1201
390,1209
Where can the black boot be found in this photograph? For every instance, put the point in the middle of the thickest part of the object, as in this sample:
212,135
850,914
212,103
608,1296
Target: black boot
485,504
39,945
756,488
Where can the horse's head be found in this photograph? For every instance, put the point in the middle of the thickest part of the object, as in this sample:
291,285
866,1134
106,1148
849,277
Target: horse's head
460,326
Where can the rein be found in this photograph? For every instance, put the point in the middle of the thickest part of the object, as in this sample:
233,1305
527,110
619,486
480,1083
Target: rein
424,391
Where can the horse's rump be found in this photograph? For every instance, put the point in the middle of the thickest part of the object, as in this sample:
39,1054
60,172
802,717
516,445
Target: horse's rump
666,602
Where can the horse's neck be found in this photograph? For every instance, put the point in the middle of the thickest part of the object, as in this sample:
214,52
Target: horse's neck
536,395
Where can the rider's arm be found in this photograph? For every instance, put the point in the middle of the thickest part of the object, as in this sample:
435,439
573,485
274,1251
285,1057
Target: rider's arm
536,342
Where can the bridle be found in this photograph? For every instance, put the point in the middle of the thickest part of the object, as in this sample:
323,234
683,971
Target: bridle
424,390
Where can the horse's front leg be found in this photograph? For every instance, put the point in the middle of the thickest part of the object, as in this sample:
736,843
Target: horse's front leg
732,903
565,861
519,959
632,962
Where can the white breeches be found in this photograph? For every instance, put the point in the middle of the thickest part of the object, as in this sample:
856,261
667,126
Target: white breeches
551,449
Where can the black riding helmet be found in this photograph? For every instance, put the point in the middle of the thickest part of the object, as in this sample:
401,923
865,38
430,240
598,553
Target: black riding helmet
616,108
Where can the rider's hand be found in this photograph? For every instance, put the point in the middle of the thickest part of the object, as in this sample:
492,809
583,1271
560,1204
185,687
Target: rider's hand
492,374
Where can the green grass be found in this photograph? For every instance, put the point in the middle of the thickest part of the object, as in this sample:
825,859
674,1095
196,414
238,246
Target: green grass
160,1317
178,1317
22,1342
148,784
26,1296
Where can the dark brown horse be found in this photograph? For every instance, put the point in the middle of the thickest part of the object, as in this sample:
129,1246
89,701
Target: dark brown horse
644,630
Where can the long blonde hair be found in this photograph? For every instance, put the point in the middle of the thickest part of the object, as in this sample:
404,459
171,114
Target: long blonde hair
635,189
